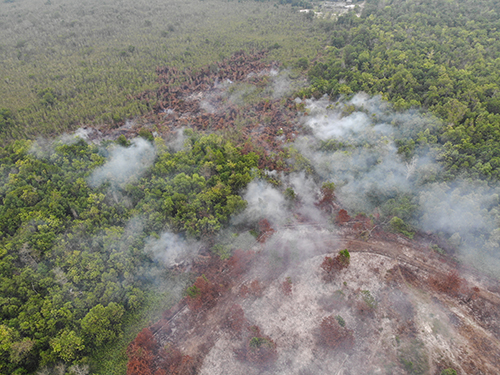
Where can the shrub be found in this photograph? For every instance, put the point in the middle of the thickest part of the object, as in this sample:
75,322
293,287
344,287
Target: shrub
414,358
146,134
369,299
344,258
258,349
342,217
239,262
235,318
254,288
122,141
331,265
286,286
334,335
193,291
437,249
399,226
302,63
451,284
326,203
340,320
290,194
265,229
367,305
202,293
141,353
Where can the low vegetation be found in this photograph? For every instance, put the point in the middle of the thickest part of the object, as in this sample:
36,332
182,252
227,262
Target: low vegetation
67,64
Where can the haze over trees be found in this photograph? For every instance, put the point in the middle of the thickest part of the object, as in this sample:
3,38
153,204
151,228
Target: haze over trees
440,56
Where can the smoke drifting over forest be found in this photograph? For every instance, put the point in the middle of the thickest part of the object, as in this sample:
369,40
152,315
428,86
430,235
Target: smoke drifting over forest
171,249
353,146
264,202
125,163
211,217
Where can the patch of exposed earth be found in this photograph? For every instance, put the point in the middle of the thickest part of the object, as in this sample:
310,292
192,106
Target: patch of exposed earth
405,319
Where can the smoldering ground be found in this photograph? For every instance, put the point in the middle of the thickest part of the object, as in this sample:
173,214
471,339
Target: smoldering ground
172,249
226,93
353,144
370,176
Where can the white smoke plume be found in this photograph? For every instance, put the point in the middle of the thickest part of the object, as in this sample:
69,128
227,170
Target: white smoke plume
124,164
353,145
177,140
362,159
171,249
264,202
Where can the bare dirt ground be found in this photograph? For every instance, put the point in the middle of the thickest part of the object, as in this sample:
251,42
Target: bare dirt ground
406,313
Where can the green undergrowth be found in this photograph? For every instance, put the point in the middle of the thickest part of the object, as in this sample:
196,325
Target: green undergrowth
112,360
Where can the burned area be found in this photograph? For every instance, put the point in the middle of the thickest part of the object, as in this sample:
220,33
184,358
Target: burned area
318,288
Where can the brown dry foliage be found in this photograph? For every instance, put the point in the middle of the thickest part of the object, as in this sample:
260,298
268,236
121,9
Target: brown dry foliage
451,283
244,291
254,288
141,353
170,359
407,328
286,287
342,217
146,357
258,348
207,295
362,223
240,261
332,265
363,308
333,336
235,319
265,230
326,203
175,94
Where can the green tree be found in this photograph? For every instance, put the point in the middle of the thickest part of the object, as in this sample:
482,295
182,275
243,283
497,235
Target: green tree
6,120
67,345
102,324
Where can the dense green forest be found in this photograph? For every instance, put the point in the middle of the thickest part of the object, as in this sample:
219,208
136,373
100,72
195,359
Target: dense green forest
73,260
441,56
77,269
